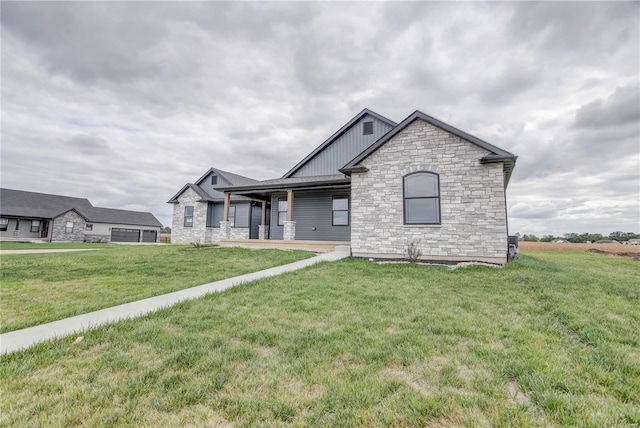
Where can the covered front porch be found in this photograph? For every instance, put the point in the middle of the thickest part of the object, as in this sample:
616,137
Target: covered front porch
305,209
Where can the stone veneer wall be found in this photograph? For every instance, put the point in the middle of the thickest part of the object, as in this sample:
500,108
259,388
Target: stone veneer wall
212,235
239,233
196,233
97,238
59,227
289,231
472,200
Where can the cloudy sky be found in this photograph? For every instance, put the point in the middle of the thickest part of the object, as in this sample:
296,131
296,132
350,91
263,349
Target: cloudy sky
123,103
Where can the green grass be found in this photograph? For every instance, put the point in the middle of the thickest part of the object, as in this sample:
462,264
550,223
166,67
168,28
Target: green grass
550,340
38,288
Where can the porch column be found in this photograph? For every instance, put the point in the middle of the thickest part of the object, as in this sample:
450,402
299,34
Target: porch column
16,233
225,226
263,229
290,205
289,232
227,202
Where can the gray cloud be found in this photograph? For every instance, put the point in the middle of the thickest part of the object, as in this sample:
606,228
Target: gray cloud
87,144
124,102
621,107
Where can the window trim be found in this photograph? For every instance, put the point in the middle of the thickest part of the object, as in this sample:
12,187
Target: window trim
348,210
281,223
186,216
36,228
214,180
67,228
88,226
405,198
4,224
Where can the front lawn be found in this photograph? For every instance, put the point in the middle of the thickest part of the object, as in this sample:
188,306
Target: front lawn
550,340
38,288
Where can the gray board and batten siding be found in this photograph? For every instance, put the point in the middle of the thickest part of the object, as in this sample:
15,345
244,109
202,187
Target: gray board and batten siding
205,184
346,147
215,213
311,209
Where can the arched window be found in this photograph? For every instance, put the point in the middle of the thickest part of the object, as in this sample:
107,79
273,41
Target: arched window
421,194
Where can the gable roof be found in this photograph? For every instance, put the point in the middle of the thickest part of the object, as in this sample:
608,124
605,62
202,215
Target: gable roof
230,177
111,215
337,135
496,153
205,197
20,203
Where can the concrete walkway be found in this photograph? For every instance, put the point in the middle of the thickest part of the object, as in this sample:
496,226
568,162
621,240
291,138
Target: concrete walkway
59,250
27,337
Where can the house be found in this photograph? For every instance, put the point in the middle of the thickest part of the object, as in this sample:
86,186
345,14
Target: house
375,184
40,216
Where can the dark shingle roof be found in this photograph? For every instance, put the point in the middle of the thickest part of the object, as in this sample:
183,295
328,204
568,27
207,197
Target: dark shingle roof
234,179
204,195
111,215
285,183
19,203
40,205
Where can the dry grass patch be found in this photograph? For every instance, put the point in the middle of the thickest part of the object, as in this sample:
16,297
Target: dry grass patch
516,395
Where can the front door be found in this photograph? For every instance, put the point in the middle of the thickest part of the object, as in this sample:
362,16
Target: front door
45,229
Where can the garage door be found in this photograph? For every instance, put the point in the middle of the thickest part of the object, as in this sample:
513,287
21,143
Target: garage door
125,235
149,235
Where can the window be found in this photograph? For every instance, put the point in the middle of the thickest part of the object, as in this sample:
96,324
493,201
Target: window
35,226
282,211
4,224
188,216
340,211
421,198
232,216
69,227
367,128
89,226
214,179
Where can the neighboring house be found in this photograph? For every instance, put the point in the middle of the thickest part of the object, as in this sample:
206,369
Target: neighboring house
375,184
55,218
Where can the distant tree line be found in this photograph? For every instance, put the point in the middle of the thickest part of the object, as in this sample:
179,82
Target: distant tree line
581,237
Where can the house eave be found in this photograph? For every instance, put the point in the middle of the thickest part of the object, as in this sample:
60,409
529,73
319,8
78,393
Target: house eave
354,169
285,186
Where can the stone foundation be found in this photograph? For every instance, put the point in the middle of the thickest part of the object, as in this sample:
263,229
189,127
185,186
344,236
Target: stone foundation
289,231
263,232
97,238
225,230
